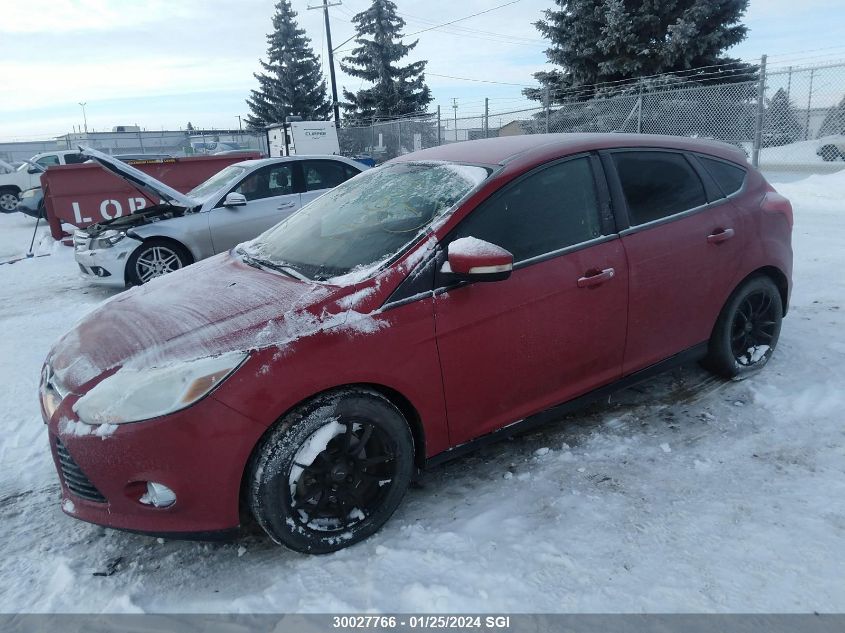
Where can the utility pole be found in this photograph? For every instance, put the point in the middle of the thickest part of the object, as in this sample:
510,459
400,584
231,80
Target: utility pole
761,113
84,116
240,125
809,105
335,105
455,108
486,117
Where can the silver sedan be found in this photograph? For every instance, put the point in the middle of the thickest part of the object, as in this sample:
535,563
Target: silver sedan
234,205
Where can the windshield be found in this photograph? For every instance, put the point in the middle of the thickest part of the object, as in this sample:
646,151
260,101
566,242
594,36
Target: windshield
218,181
365,220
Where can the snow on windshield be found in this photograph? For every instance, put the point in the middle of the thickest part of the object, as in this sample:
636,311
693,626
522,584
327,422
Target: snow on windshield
366,220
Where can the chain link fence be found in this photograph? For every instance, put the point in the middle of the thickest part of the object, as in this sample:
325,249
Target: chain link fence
797,125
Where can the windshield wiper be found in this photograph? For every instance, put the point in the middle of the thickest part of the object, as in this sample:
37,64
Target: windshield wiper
288,270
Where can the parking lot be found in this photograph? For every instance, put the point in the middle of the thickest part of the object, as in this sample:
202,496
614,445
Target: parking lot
684,493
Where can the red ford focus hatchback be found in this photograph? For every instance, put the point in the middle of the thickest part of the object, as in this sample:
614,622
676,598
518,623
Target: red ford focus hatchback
450,296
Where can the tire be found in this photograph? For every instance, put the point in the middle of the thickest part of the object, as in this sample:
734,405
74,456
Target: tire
829,152
747,331
154,258
8,200
319,501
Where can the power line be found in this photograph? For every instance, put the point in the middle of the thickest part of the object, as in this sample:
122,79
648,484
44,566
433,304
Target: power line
467,17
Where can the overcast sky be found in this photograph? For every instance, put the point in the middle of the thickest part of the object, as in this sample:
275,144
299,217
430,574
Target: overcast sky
162,63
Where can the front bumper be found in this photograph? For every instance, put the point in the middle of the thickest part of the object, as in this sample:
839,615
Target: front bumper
200,453
106,266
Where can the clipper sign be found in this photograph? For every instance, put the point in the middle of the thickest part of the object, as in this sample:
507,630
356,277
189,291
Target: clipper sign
86,193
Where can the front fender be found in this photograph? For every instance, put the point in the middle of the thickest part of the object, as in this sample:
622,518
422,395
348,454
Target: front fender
191,231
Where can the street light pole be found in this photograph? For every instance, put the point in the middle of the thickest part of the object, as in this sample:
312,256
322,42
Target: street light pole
84,116
335,104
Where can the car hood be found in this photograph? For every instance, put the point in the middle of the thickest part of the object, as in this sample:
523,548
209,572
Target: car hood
215,306
135,177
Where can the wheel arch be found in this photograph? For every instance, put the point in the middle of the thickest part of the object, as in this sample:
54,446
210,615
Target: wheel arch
777,276
11,187
166,238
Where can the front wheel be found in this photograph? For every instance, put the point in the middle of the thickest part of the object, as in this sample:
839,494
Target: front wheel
332,472
155,258
747,331
8,200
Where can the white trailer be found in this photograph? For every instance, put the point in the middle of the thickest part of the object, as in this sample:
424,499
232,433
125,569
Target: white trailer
302,137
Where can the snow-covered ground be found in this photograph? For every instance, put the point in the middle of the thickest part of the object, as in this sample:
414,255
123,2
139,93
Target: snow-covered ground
685,493
800,156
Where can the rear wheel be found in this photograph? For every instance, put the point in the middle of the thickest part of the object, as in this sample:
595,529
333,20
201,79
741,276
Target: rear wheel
332,472
155,258
8,200
829,152
747,331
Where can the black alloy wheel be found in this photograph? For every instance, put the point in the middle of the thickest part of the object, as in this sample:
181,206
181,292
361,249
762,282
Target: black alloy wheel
332,472
748,329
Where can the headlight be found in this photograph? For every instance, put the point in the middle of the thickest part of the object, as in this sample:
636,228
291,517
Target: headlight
132,395
107,239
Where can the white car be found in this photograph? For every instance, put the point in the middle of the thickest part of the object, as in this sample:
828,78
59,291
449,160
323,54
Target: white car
234,205
28,177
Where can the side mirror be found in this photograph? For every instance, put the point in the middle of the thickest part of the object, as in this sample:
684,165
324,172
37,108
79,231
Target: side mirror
235,200
33,170
471,259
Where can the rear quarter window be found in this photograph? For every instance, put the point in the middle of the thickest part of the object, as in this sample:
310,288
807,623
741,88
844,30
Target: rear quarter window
729,177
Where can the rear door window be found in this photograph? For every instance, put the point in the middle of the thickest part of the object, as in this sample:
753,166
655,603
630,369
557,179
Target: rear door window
657,185
729,177
73,159
547,211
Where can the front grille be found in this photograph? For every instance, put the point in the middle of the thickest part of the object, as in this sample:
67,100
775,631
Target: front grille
74,478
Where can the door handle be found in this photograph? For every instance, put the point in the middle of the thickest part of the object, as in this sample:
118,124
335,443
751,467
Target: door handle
596,279
286,205
720,236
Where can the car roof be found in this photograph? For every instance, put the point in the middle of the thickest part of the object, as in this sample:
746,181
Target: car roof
261,162
542,147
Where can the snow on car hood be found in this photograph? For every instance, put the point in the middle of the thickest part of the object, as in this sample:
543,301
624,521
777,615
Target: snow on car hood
212,307
154,188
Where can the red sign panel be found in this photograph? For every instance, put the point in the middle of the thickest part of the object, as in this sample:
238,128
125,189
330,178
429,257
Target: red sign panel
85,194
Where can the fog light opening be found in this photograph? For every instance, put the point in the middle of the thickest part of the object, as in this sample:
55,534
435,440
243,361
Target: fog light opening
158,495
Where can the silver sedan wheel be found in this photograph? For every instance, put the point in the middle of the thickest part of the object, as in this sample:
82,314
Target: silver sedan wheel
8,201
155,262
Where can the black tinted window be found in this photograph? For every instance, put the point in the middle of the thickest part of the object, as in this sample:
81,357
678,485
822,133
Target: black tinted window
728,177
324,174
549,210
267,182
657,185
72,159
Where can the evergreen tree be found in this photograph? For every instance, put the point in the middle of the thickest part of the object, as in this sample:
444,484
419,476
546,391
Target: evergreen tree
396,90
782,126
601,41
189,127
834,121
292,83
